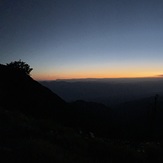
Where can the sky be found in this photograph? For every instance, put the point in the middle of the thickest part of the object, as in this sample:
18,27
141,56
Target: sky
83,38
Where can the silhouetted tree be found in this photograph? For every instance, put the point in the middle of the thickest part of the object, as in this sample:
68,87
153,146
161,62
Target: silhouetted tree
20,65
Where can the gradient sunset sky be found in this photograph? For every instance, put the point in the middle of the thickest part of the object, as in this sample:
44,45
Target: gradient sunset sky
83,38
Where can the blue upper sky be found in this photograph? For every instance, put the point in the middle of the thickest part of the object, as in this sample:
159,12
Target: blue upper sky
83,38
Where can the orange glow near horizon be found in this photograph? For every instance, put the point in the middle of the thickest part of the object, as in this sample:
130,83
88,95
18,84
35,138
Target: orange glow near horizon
95,74
81,70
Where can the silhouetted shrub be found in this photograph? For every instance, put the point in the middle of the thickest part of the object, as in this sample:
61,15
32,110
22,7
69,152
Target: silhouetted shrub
21,66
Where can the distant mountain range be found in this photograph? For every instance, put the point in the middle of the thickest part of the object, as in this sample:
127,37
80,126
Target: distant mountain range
131,101
110,92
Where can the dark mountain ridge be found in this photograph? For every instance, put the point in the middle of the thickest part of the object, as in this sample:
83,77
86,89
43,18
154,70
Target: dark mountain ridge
19,90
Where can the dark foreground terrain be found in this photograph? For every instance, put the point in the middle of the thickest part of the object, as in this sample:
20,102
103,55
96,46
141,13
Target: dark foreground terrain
36,125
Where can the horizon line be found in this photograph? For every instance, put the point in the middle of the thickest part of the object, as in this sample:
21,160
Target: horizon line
63,79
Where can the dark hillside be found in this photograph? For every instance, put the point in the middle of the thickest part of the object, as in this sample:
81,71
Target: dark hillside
19,90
